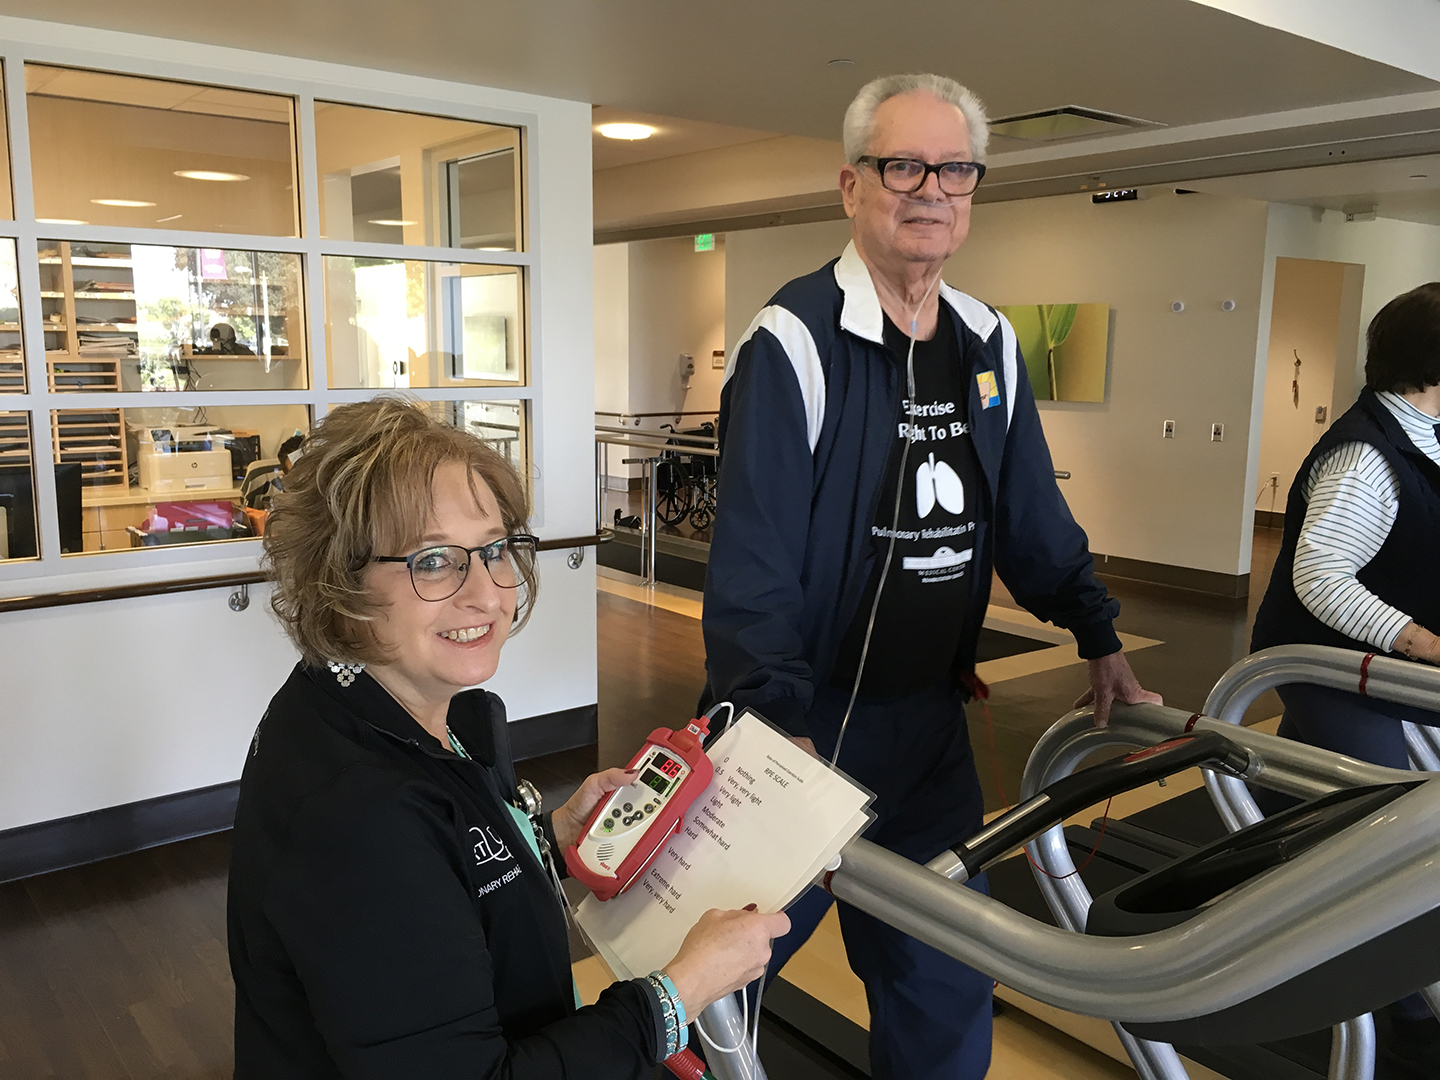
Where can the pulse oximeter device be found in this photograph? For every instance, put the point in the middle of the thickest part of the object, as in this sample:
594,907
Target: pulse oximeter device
626,832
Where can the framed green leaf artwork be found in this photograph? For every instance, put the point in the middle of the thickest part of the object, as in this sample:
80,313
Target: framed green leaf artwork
1065,347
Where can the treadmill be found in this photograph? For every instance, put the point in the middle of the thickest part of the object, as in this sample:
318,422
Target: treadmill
1255,936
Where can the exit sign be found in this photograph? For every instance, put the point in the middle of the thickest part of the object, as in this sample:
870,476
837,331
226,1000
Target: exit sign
1117,195
705,242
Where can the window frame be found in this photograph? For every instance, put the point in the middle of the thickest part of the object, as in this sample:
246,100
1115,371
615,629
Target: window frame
433,97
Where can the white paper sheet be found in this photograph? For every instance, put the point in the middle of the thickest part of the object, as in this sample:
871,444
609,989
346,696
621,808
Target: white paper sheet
765,827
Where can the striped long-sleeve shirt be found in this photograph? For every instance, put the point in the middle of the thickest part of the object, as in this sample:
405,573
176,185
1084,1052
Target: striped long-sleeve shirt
1351,501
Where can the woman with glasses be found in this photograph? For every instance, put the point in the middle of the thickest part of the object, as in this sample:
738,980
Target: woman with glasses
391,912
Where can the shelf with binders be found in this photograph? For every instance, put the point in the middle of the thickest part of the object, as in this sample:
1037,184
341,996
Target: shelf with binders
87,295
14,438
95,439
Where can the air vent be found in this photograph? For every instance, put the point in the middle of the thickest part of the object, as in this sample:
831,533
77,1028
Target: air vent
1069,122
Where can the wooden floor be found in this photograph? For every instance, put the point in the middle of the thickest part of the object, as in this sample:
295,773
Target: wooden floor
118,971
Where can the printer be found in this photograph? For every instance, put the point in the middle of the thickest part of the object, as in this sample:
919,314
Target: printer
184,459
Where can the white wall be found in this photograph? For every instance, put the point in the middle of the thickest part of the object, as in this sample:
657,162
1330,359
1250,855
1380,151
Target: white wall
1307,312
1397,256
1184,501
677,305
114,702
612,327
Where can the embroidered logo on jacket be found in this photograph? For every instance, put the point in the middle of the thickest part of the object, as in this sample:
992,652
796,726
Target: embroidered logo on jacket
989,389
488,846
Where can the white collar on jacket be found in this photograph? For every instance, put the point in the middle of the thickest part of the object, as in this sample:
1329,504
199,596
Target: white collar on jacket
861,313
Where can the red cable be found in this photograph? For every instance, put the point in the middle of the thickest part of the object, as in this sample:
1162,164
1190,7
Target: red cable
982,693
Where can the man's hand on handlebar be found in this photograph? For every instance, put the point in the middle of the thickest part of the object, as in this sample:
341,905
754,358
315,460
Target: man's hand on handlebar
1111,681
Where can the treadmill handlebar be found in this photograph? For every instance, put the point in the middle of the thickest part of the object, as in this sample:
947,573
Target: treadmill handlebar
1073,793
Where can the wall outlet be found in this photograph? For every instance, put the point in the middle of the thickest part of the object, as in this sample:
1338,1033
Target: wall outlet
1217,432
1168,431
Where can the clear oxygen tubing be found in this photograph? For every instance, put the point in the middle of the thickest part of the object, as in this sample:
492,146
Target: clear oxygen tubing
745,1023
894,517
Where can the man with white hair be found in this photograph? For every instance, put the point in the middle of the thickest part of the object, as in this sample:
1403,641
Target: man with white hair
881,455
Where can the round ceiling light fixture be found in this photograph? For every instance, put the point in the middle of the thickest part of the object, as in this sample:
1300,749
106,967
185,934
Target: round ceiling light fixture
210,174
121,202
628,132
61,221
393,222
841,61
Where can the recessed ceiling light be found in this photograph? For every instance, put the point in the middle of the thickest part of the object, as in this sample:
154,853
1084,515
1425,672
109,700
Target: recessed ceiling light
630,132
841,61
61,221
172,217
121,202
210,174
392,221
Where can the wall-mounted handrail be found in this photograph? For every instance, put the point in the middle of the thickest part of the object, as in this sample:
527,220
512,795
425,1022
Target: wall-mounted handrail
653,415
676,437
646,441
217,581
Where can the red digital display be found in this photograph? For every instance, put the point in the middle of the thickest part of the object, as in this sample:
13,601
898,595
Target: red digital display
669,766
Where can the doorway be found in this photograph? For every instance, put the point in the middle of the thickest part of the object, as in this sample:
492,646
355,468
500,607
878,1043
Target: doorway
1311,372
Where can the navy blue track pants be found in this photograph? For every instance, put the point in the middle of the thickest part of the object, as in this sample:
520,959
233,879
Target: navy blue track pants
930,1015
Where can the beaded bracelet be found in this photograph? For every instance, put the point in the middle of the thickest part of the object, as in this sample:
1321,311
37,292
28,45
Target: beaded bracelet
677,1031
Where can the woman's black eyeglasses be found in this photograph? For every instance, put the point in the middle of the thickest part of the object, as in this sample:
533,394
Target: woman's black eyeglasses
437,573
908,175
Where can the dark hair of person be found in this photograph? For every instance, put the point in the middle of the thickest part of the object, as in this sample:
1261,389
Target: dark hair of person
289,446
1402,345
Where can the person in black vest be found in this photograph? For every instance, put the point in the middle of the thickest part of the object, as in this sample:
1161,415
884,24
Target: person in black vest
1359,568
390,909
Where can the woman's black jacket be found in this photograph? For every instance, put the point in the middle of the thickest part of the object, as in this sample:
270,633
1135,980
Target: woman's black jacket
387,917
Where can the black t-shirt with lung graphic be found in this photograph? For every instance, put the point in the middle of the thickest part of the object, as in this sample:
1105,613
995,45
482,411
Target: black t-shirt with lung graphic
923,606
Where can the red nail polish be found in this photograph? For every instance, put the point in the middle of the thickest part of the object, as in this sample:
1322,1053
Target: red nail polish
751,907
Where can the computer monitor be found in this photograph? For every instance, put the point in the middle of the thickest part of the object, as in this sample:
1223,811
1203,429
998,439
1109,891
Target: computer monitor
72,516
20,524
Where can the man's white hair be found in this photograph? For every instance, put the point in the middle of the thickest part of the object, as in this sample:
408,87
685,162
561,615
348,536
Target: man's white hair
860,116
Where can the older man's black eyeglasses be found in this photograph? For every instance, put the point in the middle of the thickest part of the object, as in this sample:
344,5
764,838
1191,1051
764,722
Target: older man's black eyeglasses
437,573
908,175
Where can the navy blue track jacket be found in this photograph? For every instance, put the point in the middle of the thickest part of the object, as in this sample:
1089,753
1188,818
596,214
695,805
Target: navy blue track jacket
808,415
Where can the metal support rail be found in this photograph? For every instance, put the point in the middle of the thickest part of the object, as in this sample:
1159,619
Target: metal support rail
665,436
1386,678
644,440
1376,876
1329,899
638,416
1278,763
647,516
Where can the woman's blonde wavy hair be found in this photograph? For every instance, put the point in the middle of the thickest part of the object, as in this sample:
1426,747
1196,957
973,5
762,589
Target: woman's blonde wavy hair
361,488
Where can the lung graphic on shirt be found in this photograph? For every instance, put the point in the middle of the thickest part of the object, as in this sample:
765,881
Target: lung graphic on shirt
936,482
488,846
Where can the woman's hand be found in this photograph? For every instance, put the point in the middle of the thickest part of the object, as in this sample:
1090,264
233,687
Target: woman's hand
1418,643
724,951
570,819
